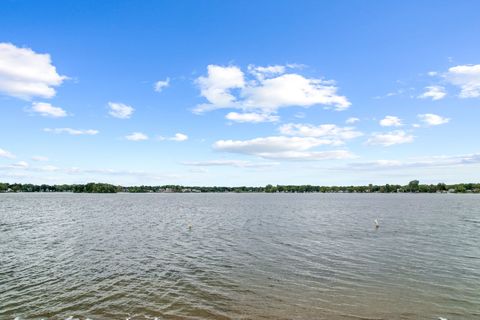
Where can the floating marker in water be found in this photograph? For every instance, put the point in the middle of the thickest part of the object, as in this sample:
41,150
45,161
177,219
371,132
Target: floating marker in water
376,223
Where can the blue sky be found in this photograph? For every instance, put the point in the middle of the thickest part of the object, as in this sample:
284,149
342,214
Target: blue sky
239,92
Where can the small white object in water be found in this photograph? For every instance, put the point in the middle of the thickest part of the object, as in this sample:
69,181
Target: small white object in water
442,318
376,223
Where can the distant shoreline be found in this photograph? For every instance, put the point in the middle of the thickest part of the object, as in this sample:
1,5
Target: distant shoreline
412,187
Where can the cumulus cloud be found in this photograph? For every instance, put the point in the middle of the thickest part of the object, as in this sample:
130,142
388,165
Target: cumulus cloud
467,78
74,132
269,90
251,117
217,85
6,154
26,74
329,131
433,119
352,120
47,110
264,72
179,137
136,136
391,121
390,138
434,93
120,110
230,163
293,90
161,84
280,147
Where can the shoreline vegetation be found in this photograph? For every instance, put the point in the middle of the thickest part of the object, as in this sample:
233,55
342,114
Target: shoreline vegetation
412,187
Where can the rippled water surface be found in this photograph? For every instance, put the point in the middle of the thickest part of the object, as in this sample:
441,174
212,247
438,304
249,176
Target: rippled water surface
246,256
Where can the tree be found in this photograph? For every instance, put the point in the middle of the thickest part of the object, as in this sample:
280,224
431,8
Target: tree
413,186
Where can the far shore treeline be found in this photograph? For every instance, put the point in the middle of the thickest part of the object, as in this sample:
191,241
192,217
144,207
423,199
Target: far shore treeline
412,186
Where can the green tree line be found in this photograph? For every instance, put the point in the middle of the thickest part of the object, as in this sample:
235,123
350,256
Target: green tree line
413,186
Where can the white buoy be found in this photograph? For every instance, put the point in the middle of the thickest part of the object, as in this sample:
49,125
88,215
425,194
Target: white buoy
377,225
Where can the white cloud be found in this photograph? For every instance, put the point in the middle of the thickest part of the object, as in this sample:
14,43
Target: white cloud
467,77
217,85
391,121
47,110
280,147
433,119
390,138
39,158
352,120
161,84
25,74
436,161
433,92
6,154
74,132
226,87
230,163
251,117
265,72
19,165
292,90
432,73
179,137
330,131
120,110
136,136
391,94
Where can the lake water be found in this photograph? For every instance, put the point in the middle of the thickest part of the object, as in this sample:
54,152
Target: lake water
246,256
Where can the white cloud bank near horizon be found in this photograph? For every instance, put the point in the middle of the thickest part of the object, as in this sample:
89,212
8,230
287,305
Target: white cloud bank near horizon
283,148
230,163
435,161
